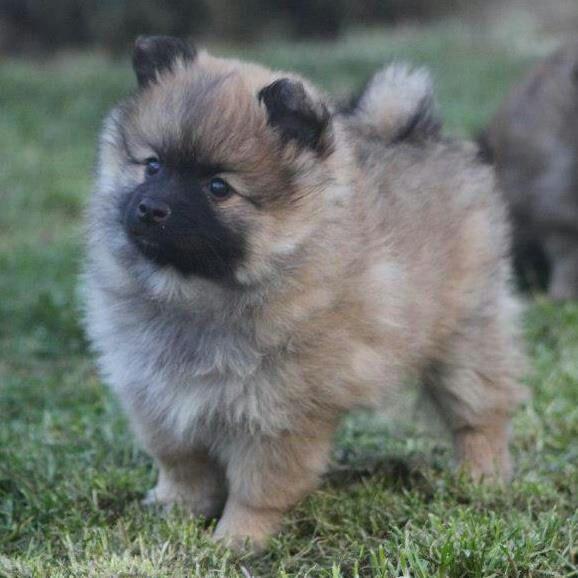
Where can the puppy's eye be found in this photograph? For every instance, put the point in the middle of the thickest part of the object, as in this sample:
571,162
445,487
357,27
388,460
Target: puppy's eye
152,166
220,189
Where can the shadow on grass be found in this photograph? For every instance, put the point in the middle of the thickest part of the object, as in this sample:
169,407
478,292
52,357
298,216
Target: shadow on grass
399,474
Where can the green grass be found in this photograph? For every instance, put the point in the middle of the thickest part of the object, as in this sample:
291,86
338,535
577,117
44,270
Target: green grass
70,474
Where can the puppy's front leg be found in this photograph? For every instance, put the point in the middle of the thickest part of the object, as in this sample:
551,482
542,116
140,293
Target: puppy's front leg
267,476
190,479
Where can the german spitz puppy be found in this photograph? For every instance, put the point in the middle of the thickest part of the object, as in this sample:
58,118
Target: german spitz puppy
533,141
261,262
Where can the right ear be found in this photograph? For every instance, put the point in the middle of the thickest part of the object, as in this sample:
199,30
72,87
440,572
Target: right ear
155,54
296,115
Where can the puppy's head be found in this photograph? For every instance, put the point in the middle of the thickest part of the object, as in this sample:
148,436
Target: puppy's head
214,169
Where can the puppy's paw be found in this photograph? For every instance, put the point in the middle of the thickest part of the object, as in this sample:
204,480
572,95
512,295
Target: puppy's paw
484,457
240,541
151,499
205,506
246,529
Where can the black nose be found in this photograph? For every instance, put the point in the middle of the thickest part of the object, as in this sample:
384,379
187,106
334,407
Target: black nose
153,211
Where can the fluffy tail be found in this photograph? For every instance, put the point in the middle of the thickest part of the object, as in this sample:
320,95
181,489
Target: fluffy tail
397,104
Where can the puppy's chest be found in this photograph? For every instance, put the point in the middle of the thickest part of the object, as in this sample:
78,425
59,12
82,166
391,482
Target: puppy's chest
191,376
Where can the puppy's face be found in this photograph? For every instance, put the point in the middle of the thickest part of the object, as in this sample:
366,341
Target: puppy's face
214,169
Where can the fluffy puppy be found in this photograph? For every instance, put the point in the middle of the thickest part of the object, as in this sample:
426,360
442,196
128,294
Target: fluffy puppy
533,141
260,263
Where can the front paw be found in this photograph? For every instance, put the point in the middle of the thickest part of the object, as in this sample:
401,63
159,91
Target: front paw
247,529
167,498
151,499
242,541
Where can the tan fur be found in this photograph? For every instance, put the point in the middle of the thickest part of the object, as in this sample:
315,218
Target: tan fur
534,141
368,265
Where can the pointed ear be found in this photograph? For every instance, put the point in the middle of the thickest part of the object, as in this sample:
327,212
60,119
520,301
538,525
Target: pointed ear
154,54
296,115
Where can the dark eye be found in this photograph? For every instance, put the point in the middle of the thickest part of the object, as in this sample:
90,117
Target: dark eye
152,166
220,189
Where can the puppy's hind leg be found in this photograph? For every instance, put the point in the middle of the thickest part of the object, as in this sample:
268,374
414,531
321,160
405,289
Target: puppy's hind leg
476,388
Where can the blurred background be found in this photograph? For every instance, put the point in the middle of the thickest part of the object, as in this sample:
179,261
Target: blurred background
43,28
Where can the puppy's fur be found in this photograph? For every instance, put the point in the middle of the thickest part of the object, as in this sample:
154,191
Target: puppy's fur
356,251
533,141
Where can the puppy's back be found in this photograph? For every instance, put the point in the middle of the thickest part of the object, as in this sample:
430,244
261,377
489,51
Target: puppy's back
427,202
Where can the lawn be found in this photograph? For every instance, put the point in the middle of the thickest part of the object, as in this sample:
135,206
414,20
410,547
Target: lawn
71,476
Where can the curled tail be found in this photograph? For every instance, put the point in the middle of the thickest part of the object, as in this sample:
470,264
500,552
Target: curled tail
397,104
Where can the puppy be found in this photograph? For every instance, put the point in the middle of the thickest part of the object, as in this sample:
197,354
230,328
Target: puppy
533,141
260,263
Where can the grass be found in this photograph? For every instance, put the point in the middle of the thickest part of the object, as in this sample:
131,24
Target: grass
70,474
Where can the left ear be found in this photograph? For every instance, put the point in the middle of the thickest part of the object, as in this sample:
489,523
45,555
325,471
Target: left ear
153,55
296,115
